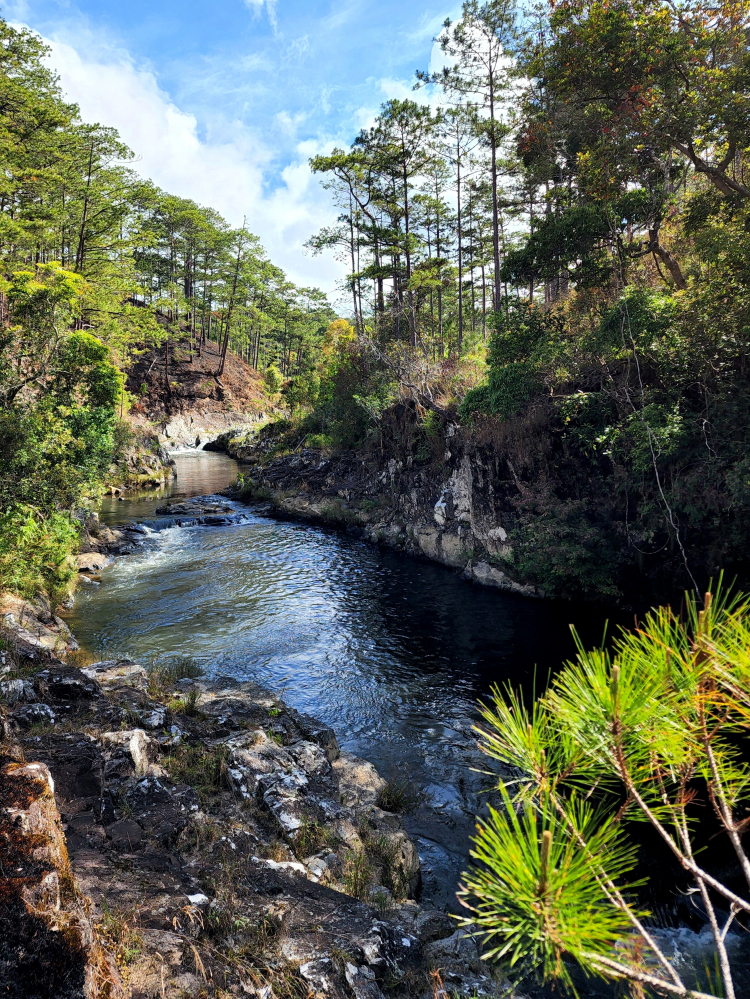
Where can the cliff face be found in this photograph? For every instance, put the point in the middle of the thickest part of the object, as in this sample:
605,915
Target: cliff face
178,392
516,504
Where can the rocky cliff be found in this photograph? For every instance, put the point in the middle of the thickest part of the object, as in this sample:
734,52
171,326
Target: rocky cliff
450,501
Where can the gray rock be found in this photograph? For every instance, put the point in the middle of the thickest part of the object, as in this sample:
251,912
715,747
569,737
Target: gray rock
92,561
283,794
388,949
316,731
154,719
141,748
116,671
35,714
17,691
321,974
459,948
362,982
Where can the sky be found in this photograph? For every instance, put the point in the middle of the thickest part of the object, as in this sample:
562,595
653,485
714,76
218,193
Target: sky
225,101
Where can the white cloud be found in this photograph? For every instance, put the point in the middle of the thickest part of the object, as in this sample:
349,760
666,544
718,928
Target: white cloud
256,6
229,168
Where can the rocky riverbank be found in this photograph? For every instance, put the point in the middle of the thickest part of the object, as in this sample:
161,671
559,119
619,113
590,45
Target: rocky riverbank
200,838
453,508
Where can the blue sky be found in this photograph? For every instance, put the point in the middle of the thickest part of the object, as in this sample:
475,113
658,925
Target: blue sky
224,102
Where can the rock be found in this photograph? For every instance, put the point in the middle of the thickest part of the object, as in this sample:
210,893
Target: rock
160,808
142,749
316,731
34,625
35,714
125,834
197,507
17,691
92,561
283,795
47,942
359,782
311,758
321,974
362,982
66,683
459,948
487,575
116,671
432,924
389,950
290,866
155,718
169,945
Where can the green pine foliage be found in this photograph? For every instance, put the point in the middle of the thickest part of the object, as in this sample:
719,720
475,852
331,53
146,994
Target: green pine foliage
649,731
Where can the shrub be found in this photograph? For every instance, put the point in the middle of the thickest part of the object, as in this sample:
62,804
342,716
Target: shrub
36,552
166,671
399,794
358,874
272,379
504,393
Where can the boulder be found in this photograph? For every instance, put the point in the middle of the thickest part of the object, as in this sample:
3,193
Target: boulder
116,671
161,808
17,691
432,924
322,975
141,748
362,982
34,714
67,683
92,561
125,835
389,950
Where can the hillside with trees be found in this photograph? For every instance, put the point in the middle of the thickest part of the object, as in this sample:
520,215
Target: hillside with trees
101,269
555,256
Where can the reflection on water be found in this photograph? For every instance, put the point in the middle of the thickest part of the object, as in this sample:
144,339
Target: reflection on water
390,651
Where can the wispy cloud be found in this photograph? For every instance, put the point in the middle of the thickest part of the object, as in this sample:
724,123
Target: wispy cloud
256,6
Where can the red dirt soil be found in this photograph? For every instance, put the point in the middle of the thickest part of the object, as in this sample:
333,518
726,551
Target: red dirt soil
193,384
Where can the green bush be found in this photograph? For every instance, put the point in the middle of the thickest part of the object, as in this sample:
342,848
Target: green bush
36,552
272,379
503,395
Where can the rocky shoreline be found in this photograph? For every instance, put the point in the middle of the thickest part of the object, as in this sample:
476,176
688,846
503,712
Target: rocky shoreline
198,837
454,510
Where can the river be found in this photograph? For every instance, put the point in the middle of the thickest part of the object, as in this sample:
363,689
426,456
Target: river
391,651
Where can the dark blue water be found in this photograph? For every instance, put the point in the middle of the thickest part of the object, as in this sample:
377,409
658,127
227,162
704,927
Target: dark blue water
390,650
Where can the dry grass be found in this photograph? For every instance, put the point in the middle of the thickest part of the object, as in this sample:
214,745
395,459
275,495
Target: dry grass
205,769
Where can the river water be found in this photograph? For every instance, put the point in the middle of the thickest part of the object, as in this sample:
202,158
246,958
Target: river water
389,650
